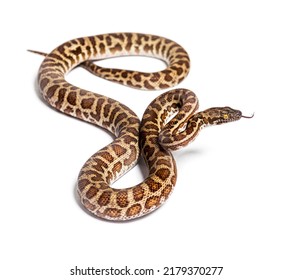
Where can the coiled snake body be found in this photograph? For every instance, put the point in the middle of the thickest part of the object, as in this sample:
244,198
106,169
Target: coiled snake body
155,137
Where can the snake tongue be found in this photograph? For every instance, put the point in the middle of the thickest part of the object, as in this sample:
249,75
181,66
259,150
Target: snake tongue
248,117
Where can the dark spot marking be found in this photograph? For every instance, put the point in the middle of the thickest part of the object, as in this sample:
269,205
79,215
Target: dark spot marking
120,117
138,193
87,103
148,48
77,51
178,70
69,110
130,84
82,92
100,165
137,77
61,97
105,155
122,199
55,76
43,83
106,110
148,151
81,41
99,104
117,168
152,201
118,150
164,162
78,113
153,186
124,74
112,213
166,191
91,192
116,48
113,113
133,120
101,48
108,40
134,210
72,98
100,37
104,199
158,45
168,78
148,85
51,91
162,86
82,184
129,139
129,41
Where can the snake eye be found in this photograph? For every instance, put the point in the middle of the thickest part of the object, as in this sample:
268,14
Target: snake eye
225,116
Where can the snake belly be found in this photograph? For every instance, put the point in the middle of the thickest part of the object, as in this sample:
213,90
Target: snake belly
104,167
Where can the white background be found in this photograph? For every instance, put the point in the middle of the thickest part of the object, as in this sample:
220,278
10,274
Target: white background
232,203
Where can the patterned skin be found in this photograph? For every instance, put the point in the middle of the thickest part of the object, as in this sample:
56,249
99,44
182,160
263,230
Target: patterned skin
155,137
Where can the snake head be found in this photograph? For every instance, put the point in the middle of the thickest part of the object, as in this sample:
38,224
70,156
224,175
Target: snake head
220,115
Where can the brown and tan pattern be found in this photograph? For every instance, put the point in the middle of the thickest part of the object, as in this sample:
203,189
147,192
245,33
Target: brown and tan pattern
155,137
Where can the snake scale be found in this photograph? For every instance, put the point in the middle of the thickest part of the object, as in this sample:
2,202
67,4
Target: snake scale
157,134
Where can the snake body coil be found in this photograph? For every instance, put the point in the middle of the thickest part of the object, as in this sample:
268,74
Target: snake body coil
155,137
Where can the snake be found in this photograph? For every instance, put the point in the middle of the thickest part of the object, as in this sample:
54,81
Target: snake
171,121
